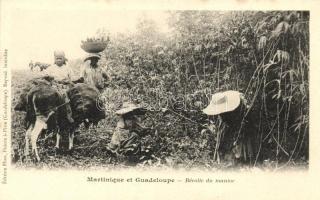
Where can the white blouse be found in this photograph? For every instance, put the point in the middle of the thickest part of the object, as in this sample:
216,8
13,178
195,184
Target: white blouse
60,73
93,76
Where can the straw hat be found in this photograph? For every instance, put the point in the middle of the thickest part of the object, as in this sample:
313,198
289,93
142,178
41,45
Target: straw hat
223,102
92,55
127,107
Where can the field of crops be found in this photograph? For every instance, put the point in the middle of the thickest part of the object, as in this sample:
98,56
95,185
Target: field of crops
264,55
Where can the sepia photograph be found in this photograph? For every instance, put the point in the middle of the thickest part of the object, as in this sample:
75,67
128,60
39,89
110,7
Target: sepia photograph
148,100
214,90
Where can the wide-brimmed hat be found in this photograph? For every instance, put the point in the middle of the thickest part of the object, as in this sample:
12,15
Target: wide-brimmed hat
92,55
223,102
128,107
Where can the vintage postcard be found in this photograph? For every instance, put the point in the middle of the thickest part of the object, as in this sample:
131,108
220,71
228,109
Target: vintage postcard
159,100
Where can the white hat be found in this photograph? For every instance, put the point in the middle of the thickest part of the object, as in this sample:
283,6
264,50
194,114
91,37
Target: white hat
223,102
127,107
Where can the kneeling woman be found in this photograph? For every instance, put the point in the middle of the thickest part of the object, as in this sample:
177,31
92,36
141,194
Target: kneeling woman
125,140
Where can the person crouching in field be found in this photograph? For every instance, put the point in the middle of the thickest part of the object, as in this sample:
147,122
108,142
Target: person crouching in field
236,141
64,76
92,73
125,141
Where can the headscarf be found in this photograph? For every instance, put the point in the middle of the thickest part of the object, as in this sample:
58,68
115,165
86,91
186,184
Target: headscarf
60,54
92,55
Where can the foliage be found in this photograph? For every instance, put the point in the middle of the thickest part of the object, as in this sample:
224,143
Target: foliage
264,55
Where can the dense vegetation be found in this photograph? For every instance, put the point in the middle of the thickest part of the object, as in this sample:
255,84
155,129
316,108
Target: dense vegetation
264,55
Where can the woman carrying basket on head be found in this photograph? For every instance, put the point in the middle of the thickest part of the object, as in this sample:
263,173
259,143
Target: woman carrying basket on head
93,74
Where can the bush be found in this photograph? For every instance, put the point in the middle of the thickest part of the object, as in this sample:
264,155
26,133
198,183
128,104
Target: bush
265,55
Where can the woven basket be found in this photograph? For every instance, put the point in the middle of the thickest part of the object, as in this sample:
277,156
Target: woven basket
94,46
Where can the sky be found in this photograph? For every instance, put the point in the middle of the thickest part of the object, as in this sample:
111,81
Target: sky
33,29
33,33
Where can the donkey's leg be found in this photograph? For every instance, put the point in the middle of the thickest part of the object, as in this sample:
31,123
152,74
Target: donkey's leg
28,138
71,137
58,136
38,127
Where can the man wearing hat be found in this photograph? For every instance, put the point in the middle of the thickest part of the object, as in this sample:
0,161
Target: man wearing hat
238,136
63,75
125,140
91,73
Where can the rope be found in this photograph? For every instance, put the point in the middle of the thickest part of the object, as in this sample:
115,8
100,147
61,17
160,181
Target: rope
56,108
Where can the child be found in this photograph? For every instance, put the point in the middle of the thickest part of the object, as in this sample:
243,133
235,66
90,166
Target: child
62,74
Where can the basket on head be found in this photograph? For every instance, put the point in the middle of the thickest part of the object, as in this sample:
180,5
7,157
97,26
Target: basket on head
94,47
